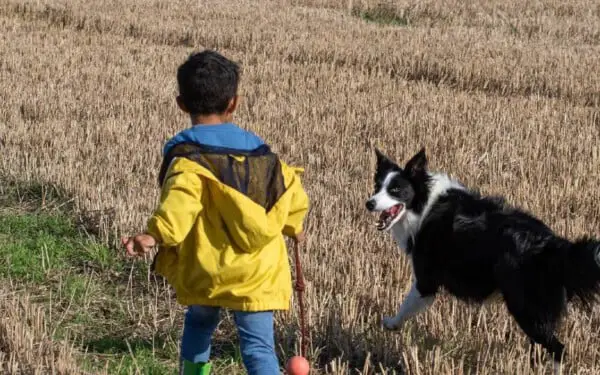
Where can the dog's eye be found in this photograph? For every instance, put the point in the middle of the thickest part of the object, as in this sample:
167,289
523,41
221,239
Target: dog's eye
396,190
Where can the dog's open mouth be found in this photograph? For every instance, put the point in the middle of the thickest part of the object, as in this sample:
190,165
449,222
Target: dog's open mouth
390,216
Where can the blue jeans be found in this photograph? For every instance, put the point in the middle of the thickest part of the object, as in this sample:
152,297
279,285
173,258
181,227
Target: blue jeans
257,342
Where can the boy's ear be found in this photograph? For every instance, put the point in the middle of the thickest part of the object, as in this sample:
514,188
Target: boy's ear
232,106
181,104
417,165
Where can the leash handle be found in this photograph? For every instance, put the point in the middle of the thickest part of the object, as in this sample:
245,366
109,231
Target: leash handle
300,287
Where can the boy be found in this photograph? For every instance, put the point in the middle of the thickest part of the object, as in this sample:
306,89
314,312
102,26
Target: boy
226,202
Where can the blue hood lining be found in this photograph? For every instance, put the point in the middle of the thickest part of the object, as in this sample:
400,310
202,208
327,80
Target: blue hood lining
222,136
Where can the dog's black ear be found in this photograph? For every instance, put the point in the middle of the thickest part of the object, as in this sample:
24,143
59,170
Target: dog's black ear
380,156
417,166
383,162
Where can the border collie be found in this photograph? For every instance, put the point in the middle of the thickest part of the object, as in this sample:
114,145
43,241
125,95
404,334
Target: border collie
474,247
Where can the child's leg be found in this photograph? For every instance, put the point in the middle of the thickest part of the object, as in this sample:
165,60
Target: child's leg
198,327
257,342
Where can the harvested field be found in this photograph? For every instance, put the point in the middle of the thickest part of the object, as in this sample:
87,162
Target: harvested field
504,95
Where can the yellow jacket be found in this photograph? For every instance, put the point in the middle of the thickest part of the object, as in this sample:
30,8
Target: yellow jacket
218,247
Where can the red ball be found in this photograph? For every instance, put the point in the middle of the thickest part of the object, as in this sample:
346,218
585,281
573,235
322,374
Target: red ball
297,365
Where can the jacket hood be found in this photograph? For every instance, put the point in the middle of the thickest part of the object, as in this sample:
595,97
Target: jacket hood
248,188
248,223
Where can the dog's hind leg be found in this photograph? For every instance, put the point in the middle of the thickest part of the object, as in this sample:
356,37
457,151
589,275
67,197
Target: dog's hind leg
540,332
535,358
413,304
537,308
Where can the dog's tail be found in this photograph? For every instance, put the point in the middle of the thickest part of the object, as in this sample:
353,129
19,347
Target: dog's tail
582,271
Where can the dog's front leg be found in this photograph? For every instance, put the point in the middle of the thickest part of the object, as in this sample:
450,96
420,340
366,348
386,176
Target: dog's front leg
413,304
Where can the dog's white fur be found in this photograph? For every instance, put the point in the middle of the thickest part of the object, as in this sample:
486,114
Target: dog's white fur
439,184
402,231
382,199
412,305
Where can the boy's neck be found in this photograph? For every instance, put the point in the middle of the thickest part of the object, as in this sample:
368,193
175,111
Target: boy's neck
212,119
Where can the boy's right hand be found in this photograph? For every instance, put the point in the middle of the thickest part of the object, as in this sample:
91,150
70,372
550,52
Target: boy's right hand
139,244
299,238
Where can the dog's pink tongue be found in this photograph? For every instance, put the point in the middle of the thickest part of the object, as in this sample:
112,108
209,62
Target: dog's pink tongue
392,211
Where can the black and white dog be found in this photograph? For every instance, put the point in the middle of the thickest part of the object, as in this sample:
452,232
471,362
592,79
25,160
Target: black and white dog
475,246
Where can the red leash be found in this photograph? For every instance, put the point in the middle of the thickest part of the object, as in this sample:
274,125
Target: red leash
300,286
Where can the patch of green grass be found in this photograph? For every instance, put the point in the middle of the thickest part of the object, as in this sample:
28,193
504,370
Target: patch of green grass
382,14
31,225
126,354
101,256
227,355
82,289
36,245
142,360
115,344
86,286
137,361
81,318
97,300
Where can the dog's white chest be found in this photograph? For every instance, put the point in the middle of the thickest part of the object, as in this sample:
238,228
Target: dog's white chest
404,230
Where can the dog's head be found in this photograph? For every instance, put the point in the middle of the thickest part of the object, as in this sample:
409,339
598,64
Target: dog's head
398,190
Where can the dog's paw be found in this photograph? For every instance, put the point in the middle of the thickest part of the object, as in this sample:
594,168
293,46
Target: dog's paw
390,323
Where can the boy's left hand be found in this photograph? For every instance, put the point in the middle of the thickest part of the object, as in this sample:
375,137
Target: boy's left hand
139,244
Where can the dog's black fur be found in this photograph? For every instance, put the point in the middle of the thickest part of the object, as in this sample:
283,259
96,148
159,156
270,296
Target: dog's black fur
474,246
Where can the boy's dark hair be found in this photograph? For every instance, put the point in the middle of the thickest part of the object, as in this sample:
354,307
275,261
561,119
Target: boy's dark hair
207,82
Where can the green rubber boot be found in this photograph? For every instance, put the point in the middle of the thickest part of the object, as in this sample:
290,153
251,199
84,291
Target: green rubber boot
190,368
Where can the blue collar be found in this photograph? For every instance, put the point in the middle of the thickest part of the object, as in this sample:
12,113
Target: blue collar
226,135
